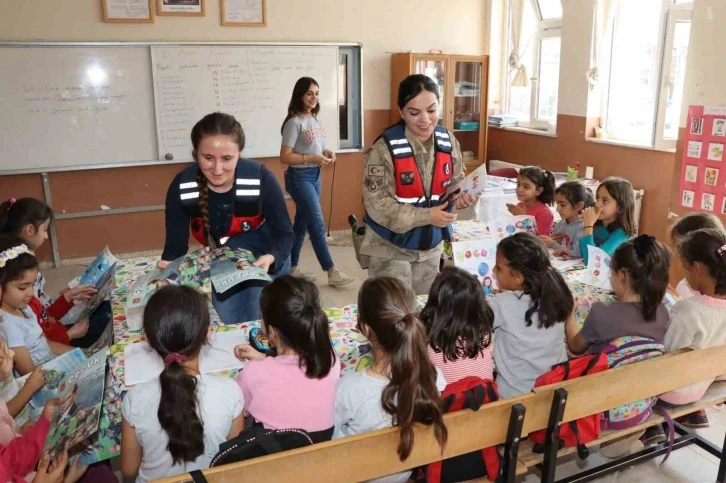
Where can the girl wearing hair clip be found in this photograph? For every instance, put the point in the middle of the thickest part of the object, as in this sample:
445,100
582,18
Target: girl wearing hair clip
175,423
639,278
699,322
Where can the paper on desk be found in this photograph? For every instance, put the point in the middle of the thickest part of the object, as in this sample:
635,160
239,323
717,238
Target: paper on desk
508,226
143,364
598,269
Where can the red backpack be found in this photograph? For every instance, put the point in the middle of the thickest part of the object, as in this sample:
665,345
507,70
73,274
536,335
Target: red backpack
575,433
470,392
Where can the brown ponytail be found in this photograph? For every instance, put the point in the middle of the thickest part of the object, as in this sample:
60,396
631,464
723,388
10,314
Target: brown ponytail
204,208
386,306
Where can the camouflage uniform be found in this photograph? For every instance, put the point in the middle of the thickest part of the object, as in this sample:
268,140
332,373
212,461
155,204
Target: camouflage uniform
416,267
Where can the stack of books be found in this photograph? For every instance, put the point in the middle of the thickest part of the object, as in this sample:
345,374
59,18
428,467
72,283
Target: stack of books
502,120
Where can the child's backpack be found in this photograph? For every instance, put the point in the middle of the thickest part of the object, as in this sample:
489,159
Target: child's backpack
581,431
621,352
470,392
253,442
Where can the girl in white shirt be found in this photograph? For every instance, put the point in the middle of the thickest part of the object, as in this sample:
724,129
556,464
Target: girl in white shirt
691,222
175,423
402,385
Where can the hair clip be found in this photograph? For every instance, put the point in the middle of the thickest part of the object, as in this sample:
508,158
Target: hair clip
12,201
12,253
721,250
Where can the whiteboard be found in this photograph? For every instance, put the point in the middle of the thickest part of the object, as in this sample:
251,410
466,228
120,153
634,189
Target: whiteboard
69,106
253,83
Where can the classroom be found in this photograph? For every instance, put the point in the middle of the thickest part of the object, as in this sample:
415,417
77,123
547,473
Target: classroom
337,241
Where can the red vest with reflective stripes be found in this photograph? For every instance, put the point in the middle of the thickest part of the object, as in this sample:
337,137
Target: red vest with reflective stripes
247,215
409,184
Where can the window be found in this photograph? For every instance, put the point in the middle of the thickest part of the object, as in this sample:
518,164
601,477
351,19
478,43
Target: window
349,101
644,89
535,27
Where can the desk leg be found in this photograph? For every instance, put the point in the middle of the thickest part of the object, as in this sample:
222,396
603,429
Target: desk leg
552,443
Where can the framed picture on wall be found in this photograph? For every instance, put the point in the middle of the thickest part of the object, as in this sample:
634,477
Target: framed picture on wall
192,8
128,11
244,13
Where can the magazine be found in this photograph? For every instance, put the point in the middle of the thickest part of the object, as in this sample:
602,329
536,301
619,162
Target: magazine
56,371
474,183
142,363
95,270
106,442
231,267
104,286
105,340
76,417
598,269
508,226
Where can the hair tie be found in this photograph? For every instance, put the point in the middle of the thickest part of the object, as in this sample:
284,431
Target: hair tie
721,250
642,245
12,201
12,253
174,357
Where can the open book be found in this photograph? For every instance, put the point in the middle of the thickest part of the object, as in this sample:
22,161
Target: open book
77,416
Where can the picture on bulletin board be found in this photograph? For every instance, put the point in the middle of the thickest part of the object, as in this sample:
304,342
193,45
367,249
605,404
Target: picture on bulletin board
128,11
702,187
192,8
244,13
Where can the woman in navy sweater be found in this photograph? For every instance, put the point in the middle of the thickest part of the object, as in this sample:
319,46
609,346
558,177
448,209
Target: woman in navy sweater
232,201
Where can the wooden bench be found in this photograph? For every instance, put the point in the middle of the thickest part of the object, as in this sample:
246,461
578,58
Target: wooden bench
371,455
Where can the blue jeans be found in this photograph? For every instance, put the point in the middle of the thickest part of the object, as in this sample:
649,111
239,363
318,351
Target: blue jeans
242,303
304,185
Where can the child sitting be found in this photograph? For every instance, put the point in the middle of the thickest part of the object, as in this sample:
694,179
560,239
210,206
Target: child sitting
402,386
571,198
529,336
691,222
29,220
459,324
612,220
175,423
22,332
699,322
295,324
536,193
639,279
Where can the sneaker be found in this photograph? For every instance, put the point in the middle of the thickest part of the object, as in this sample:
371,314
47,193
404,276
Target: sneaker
336,278
296,272
699,419
654,435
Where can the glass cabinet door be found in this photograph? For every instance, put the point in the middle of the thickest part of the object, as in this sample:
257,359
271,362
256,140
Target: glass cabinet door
436,70
468,117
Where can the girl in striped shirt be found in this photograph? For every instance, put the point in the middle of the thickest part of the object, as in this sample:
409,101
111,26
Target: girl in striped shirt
459,324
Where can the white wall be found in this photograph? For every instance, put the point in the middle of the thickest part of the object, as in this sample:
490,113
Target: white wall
383,26
705,82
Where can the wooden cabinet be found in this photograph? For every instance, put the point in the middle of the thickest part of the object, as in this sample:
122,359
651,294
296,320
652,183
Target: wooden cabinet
463,82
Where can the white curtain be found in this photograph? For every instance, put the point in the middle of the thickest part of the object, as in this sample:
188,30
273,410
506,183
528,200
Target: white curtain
520,78
604,18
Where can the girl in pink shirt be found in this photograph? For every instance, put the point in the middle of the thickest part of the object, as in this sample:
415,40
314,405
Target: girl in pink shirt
296,388
536,193
459,325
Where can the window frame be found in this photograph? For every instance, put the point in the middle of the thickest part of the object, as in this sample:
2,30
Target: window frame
671,14
550,28
354,100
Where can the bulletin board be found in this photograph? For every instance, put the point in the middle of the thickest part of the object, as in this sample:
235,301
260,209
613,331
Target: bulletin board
703,174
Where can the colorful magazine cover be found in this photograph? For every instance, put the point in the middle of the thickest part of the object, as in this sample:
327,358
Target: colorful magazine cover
106,442
95,270
56,371
104,286
76,417
231,267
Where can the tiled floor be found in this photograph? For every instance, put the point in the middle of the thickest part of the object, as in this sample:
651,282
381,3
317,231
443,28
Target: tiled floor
687,465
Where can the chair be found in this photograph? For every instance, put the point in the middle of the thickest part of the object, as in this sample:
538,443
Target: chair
504,173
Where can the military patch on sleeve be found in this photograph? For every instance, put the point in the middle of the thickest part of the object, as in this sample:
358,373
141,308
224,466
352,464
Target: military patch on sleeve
372,183
407,178
375,171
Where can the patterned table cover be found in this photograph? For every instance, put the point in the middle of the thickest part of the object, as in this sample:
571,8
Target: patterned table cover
350,345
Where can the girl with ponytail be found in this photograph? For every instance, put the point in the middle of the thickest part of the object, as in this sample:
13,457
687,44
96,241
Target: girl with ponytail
536,193
295,388
175,423
699,322
402,386
639,278
529,336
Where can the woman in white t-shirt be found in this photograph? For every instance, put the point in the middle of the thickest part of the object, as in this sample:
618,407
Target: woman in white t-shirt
304,150
159,438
